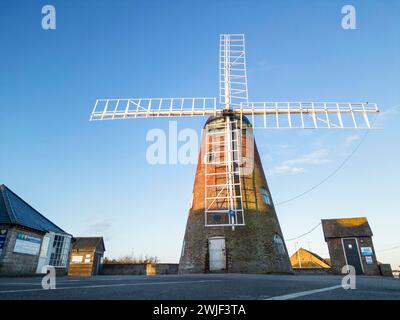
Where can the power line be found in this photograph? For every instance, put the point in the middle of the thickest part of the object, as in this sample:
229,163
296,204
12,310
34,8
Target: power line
392,248
304,234
332,173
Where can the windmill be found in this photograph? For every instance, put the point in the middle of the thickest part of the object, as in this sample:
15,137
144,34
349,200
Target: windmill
232,224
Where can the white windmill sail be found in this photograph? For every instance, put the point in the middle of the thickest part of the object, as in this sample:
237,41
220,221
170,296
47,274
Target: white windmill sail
226,196
232,70
114,109
309,115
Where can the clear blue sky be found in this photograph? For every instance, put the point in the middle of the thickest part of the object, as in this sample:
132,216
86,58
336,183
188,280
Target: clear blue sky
93,178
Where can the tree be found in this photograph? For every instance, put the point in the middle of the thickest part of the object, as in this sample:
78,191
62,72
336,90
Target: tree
129,259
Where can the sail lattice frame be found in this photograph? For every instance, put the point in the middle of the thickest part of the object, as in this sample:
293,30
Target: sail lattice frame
233,106
232,70
309,115
223,174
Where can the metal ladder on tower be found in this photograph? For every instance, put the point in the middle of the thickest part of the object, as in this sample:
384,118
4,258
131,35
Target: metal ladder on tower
223,178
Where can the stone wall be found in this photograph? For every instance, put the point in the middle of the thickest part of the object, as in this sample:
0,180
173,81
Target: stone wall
139,269
338,259
123,269
250,248
12,263
336,254
166,268
386,270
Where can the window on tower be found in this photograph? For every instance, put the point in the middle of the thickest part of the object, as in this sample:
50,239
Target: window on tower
191,201
215,128
265,196
279,245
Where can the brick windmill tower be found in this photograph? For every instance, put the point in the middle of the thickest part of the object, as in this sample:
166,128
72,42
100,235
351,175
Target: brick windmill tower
232,224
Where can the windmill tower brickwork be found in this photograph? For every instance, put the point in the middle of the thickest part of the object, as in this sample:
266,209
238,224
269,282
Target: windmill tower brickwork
257,245
232,224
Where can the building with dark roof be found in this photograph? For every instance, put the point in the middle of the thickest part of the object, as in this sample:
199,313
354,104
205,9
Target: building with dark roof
28,240
86,256
350,243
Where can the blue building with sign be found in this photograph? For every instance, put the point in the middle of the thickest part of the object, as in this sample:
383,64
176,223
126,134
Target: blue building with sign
28,240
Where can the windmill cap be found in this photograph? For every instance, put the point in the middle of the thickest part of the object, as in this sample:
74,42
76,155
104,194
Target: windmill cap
233,116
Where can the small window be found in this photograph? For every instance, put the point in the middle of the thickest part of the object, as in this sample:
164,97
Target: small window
191,201
214,128
279,245
61,246
266,197
183,248
209,157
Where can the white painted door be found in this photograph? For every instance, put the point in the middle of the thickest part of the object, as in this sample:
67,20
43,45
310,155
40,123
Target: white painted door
44,257
216,249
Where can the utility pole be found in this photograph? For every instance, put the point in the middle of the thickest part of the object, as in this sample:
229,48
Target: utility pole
298,254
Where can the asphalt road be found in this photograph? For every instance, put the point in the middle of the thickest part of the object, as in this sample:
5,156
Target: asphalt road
204,286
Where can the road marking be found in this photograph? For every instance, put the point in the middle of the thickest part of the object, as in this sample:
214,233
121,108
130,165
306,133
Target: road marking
303,293
110,285
67,281
18,284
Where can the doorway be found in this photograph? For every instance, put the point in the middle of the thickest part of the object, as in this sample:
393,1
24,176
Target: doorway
352,255
217,256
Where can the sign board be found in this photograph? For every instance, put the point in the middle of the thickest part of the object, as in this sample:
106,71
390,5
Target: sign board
77,259
366,251
368,259
27,244
3,236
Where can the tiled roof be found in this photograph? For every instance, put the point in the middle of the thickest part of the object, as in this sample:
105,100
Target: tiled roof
314,254
346,227
307,259
14,210
88,243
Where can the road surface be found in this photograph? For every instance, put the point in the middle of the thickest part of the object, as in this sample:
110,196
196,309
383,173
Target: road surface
202,286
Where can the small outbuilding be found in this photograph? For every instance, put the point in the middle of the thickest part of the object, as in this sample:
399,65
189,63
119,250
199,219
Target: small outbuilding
28,240
350,243
303,258
86,256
